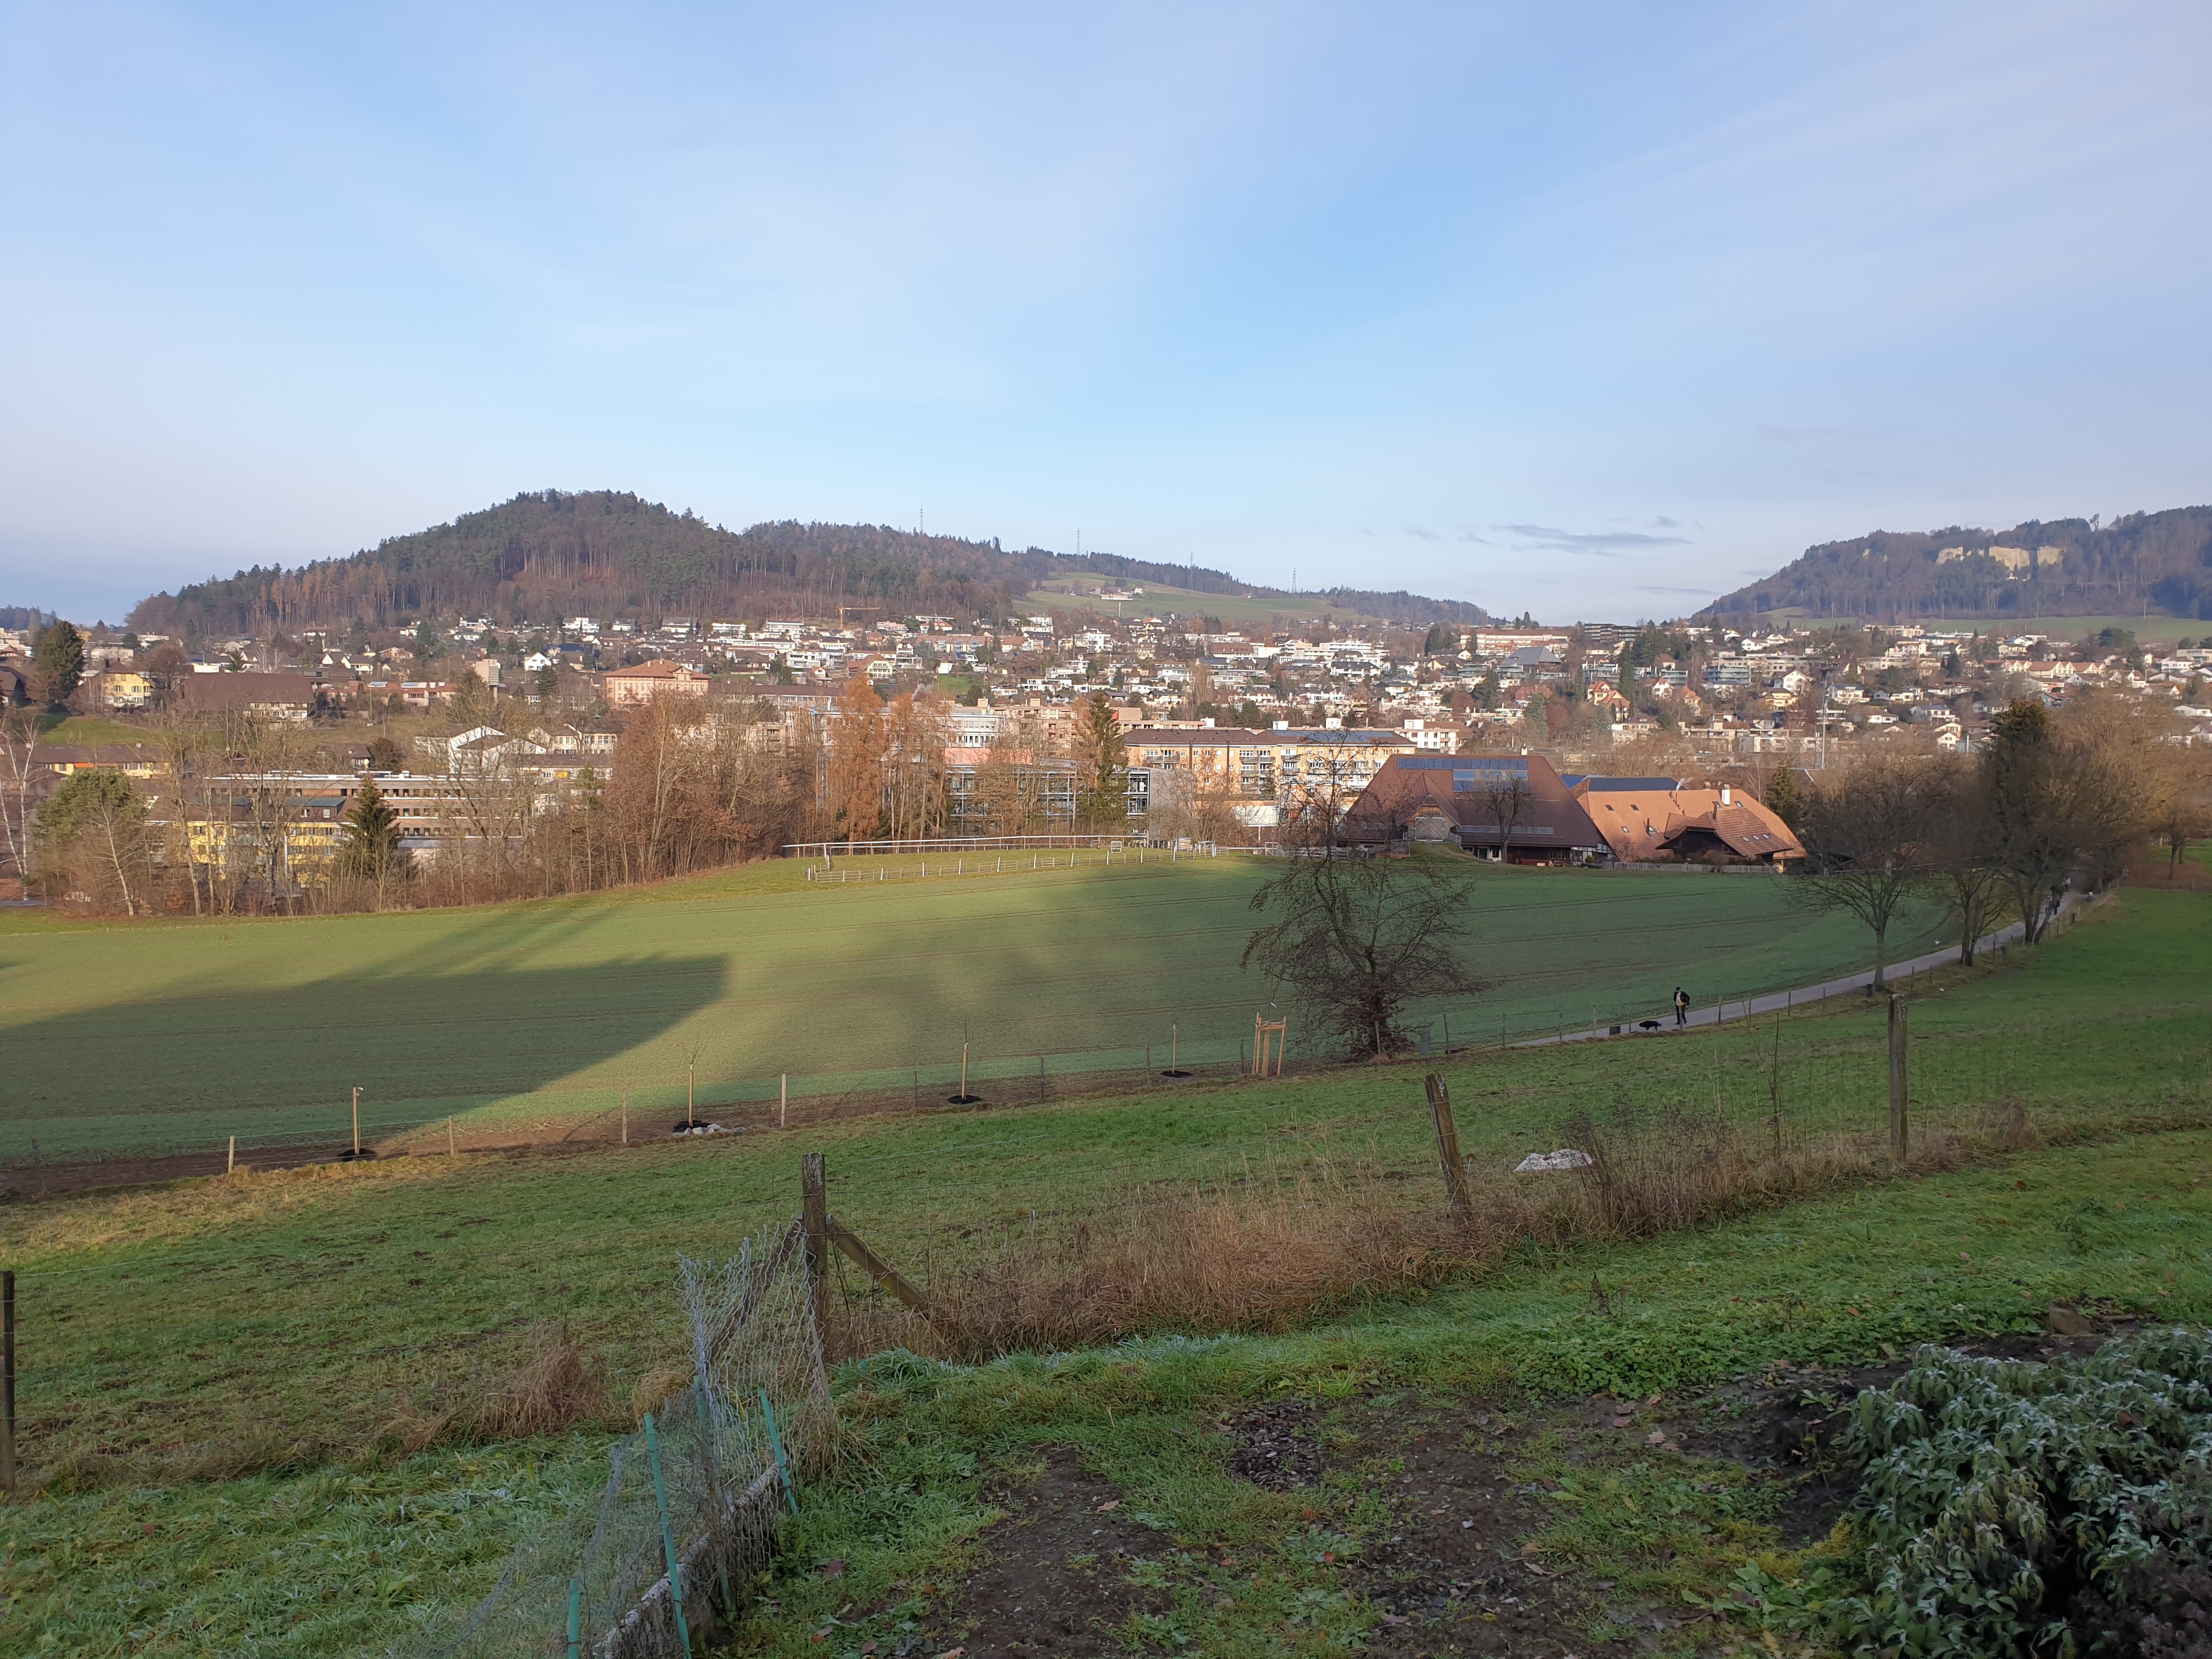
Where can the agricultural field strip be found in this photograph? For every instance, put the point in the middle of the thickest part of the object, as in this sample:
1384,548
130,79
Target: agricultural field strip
883,935
875,931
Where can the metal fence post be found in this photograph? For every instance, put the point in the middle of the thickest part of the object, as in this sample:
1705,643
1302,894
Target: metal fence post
667,1537
8,1380
775,1445
1899,1144
814,1213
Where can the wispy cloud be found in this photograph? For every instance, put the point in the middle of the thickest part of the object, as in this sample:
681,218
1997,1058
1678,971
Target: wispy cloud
1425,535
1603,545
1694,592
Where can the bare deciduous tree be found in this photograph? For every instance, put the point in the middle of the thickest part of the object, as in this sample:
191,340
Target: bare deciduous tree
1963,866
1505,801
1355,940
1869,832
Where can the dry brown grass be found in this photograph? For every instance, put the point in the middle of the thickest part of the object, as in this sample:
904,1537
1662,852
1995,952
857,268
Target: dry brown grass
558,1386
655,1389
1257,1257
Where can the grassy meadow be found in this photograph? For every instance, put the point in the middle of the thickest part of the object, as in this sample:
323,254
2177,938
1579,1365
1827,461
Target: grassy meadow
1234,611
152,1038
209,1367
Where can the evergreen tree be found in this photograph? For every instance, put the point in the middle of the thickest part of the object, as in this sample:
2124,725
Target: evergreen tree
1102,775
1785,799
371,852
58,659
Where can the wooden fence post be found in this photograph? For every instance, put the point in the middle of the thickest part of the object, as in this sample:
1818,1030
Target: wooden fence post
814,1217
1455,1182
1899,1133
8,1380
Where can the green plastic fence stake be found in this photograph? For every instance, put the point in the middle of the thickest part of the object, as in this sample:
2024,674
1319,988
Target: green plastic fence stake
775,1443
667,1538
714,1493
575,1619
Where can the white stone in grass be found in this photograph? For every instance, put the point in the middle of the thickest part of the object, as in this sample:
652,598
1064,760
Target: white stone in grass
1544,1163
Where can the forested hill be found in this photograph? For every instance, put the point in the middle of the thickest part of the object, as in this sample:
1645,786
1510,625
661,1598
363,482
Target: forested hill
603,553
2066,567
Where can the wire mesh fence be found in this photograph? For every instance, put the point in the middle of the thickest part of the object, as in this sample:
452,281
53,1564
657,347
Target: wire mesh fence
688,1517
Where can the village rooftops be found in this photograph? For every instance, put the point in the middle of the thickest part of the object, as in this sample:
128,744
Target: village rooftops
1515,802
1648,819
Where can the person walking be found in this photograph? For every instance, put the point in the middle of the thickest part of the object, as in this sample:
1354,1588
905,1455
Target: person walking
1681,1007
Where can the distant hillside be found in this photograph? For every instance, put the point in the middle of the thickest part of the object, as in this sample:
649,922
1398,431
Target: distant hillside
603,553
2067,568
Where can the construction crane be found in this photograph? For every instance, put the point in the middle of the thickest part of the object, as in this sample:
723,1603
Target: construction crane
857,609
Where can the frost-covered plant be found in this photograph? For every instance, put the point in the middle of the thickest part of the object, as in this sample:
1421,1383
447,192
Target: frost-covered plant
2001,1495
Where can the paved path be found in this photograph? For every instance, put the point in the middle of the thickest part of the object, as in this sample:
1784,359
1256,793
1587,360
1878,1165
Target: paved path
1774,1001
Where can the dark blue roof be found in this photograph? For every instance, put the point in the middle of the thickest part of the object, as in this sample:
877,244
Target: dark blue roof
1632,783
1462,763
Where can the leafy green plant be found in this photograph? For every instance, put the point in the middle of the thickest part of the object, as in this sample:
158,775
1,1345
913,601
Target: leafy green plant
2000,1493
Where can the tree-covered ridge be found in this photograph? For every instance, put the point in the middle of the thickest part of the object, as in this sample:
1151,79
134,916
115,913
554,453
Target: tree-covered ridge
603,553
2059,567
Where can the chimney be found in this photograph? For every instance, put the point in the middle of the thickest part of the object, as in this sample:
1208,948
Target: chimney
1724,795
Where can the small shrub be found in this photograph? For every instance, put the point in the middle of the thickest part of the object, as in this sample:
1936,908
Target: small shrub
2017,1507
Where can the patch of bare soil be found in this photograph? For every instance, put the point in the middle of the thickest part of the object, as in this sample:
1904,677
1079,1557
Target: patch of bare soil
1058,1577
1449,1575
29,1180
1278,1446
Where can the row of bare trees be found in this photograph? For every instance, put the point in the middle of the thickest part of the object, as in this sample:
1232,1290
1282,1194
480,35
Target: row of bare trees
1998,836
213,823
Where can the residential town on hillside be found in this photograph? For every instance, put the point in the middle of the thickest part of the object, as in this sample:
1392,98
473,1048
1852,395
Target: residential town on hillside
469,732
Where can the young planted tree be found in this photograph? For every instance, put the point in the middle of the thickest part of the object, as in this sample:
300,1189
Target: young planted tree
1354,941
1871,835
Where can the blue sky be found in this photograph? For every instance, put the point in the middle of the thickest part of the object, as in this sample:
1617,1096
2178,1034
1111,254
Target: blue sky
1594,311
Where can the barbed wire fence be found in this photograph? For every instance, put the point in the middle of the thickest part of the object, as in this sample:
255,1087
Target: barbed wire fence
687,1518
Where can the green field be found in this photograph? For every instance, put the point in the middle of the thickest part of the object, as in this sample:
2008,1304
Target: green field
2147,630
145,1038
1160,601
270,1325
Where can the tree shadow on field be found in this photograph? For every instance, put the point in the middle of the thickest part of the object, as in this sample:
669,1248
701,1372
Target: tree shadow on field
464,1018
